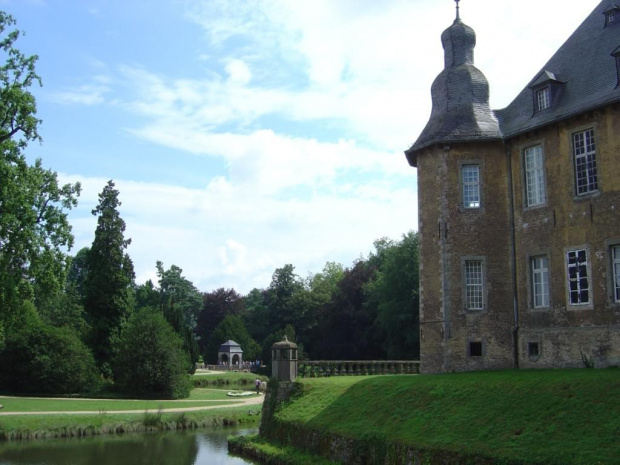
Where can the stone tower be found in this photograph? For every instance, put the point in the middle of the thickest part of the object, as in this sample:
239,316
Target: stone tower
464,221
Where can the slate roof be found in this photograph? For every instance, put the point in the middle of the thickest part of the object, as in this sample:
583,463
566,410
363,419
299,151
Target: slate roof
230,346
585,71
583,75
460,95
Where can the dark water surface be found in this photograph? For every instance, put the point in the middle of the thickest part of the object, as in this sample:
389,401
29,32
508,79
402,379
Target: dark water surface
171,448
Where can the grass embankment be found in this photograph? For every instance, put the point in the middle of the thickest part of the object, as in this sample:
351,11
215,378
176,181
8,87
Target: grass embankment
257,448
550,417
105,417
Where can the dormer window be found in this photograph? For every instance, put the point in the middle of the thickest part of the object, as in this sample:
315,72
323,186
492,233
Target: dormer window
612,15
546,91
543,98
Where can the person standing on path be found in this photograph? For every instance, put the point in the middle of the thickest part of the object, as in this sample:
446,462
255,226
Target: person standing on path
257,383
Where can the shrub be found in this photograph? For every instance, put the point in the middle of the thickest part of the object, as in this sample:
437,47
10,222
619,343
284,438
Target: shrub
150,360
47,360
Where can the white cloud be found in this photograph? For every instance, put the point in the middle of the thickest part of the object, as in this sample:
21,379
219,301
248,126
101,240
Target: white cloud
84,94
309,105
222,237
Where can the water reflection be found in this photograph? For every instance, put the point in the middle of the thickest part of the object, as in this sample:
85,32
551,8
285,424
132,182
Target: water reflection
177,448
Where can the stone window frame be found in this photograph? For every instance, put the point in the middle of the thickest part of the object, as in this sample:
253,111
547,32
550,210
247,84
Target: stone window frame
483,347
530,280
533,339
480,165
579,306
593,192
612,272
464,261
523,149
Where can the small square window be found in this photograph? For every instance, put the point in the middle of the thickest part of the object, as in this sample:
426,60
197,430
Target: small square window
533,349
475,349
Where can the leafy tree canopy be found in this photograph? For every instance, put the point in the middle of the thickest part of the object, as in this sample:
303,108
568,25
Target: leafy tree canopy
231,327
216,306
394,293
150,360
34,231
177,291
44,359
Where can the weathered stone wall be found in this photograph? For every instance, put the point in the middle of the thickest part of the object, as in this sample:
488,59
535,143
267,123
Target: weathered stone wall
449,233
566,221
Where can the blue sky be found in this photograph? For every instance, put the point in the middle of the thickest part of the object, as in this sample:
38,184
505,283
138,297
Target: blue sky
247,134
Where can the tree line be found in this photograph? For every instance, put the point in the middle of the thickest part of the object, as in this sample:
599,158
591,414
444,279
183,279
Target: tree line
81,323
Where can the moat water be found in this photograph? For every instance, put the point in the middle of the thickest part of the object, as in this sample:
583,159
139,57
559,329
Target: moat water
170,448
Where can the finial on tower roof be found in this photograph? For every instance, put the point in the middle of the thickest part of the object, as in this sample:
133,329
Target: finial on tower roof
457,9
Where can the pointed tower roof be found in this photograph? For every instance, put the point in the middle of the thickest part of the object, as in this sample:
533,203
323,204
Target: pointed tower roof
460,95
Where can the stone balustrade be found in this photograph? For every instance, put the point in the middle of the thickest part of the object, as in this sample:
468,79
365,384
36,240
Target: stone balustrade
318,368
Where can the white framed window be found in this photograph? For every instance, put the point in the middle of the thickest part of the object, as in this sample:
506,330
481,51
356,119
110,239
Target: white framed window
535,186
470,177
578,281
543,98
474,285
584,153
615,257
540,281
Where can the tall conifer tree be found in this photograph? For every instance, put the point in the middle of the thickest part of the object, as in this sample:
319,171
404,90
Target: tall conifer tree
109,277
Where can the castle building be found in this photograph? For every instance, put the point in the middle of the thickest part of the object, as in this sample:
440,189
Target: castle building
519,209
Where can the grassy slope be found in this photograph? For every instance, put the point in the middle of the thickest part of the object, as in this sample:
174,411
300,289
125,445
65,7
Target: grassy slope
563,416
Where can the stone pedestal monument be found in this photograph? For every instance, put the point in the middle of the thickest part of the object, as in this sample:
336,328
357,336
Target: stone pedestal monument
284,360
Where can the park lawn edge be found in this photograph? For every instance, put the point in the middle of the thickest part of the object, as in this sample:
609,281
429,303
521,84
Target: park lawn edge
28,427
519,416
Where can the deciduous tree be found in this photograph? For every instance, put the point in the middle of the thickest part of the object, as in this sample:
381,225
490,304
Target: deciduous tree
229,328
394,292
150,360
216,306
34,231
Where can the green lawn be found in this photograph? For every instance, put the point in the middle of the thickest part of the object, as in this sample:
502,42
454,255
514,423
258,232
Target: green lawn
551,417
213,395
108,421
198,398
